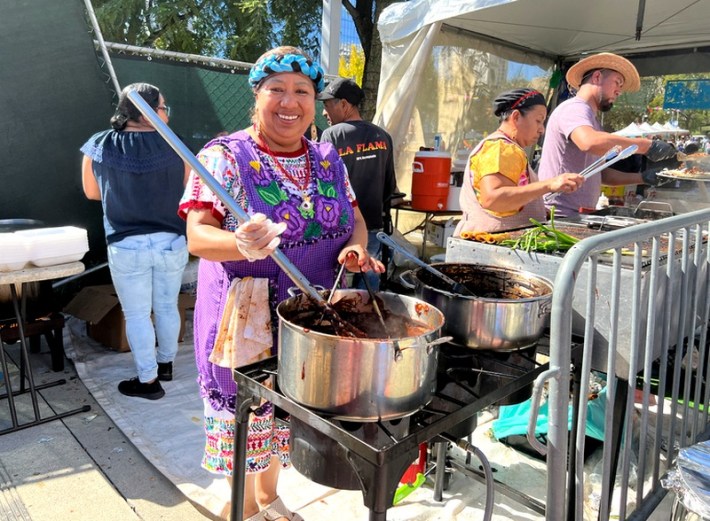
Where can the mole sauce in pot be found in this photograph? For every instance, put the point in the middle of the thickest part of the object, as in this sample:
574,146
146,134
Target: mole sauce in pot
362,379
509,312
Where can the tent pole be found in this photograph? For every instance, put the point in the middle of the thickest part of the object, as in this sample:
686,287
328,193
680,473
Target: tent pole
639,19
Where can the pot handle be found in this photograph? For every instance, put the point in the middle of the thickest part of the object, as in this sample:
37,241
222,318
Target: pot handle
440,340
535,400
429,346
545,308
293,290
406,279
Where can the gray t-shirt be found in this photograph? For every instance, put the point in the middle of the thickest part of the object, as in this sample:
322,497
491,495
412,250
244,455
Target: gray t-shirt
560,155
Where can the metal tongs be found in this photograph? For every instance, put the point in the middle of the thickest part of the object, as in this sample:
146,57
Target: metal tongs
613,155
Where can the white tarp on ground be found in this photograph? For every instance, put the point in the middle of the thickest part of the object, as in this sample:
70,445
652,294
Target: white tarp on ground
169,433
444,60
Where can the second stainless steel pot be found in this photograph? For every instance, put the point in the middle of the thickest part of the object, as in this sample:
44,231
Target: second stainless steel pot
359,379
510,311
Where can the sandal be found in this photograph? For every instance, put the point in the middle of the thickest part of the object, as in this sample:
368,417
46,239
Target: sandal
259,516
277,510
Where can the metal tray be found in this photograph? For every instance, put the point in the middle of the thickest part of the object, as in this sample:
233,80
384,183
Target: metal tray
681,175
610,222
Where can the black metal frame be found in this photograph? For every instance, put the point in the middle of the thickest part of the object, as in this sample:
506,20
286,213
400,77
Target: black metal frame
379,468
26,372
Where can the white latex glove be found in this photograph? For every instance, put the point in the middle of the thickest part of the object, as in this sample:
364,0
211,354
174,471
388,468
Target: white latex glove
258,237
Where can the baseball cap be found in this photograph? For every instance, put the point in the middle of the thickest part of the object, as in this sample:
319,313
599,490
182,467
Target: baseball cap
343,88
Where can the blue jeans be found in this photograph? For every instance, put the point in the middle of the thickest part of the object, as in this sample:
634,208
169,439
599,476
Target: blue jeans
374,248
147,274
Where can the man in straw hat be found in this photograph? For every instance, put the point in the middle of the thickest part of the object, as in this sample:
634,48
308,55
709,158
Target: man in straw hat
574,137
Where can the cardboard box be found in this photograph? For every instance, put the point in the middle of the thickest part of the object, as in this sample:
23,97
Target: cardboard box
99,307
439,231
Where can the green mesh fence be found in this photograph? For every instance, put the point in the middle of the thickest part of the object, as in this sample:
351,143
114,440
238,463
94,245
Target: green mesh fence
53,97
204,100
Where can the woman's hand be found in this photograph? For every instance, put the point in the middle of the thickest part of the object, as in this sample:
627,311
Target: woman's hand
258,237
566,183
357,259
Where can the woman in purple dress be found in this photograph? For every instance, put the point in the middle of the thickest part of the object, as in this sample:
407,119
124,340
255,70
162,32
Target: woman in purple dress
298,196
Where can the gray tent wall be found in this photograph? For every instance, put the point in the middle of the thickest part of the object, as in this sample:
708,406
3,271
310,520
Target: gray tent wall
53,98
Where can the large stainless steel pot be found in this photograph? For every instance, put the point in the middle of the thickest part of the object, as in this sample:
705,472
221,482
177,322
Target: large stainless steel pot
510,311
359,379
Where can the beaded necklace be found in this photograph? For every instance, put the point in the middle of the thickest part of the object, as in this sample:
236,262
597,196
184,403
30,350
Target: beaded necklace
302,186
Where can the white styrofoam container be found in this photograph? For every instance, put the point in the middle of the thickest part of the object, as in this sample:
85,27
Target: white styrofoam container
13,252
52,246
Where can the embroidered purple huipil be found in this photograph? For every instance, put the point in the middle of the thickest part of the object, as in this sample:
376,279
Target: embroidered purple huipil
315,236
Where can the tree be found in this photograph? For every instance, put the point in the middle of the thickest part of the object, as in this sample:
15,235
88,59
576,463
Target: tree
365,14
352,64
647,105
239,30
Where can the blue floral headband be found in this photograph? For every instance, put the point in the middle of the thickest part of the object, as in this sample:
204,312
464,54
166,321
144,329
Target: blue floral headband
274,63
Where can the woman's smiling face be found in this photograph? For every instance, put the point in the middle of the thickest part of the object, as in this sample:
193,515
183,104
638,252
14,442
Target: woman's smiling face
285,107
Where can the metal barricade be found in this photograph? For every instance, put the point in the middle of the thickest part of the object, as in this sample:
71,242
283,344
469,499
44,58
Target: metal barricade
667,288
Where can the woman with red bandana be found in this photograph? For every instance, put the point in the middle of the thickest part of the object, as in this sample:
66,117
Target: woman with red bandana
298,195
500,190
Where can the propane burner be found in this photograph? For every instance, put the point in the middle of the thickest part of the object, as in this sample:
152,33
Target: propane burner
373,456
325,461
478,372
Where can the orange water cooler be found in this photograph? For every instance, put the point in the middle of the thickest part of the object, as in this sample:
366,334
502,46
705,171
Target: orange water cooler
431,173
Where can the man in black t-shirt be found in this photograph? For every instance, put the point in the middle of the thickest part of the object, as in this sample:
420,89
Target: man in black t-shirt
367,152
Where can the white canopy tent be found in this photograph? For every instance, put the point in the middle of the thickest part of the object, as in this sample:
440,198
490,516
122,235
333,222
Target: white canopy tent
631,130
646,128
634,130
672,129
442,59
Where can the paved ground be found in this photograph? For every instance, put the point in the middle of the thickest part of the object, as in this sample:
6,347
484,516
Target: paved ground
84,468
80,468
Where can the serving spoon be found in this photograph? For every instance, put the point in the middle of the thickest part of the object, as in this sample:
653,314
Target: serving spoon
456,287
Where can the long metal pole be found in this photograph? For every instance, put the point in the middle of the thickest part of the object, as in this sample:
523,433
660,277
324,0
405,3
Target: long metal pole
102,44
278,256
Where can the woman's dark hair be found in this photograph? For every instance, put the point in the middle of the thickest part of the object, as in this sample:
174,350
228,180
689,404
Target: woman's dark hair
517,99
126,110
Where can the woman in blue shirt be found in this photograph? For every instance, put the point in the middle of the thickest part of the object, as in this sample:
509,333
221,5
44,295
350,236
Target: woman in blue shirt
139,180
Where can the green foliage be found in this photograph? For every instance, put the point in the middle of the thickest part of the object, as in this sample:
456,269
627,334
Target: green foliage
241,29
237,29
647,105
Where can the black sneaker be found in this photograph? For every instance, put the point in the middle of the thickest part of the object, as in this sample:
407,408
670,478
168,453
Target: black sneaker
134,387
165,371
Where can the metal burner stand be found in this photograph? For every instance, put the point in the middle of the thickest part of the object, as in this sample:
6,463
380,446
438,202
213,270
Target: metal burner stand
379,468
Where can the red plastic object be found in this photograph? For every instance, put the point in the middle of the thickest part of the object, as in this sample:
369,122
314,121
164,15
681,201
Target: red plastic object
431,175
418,467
